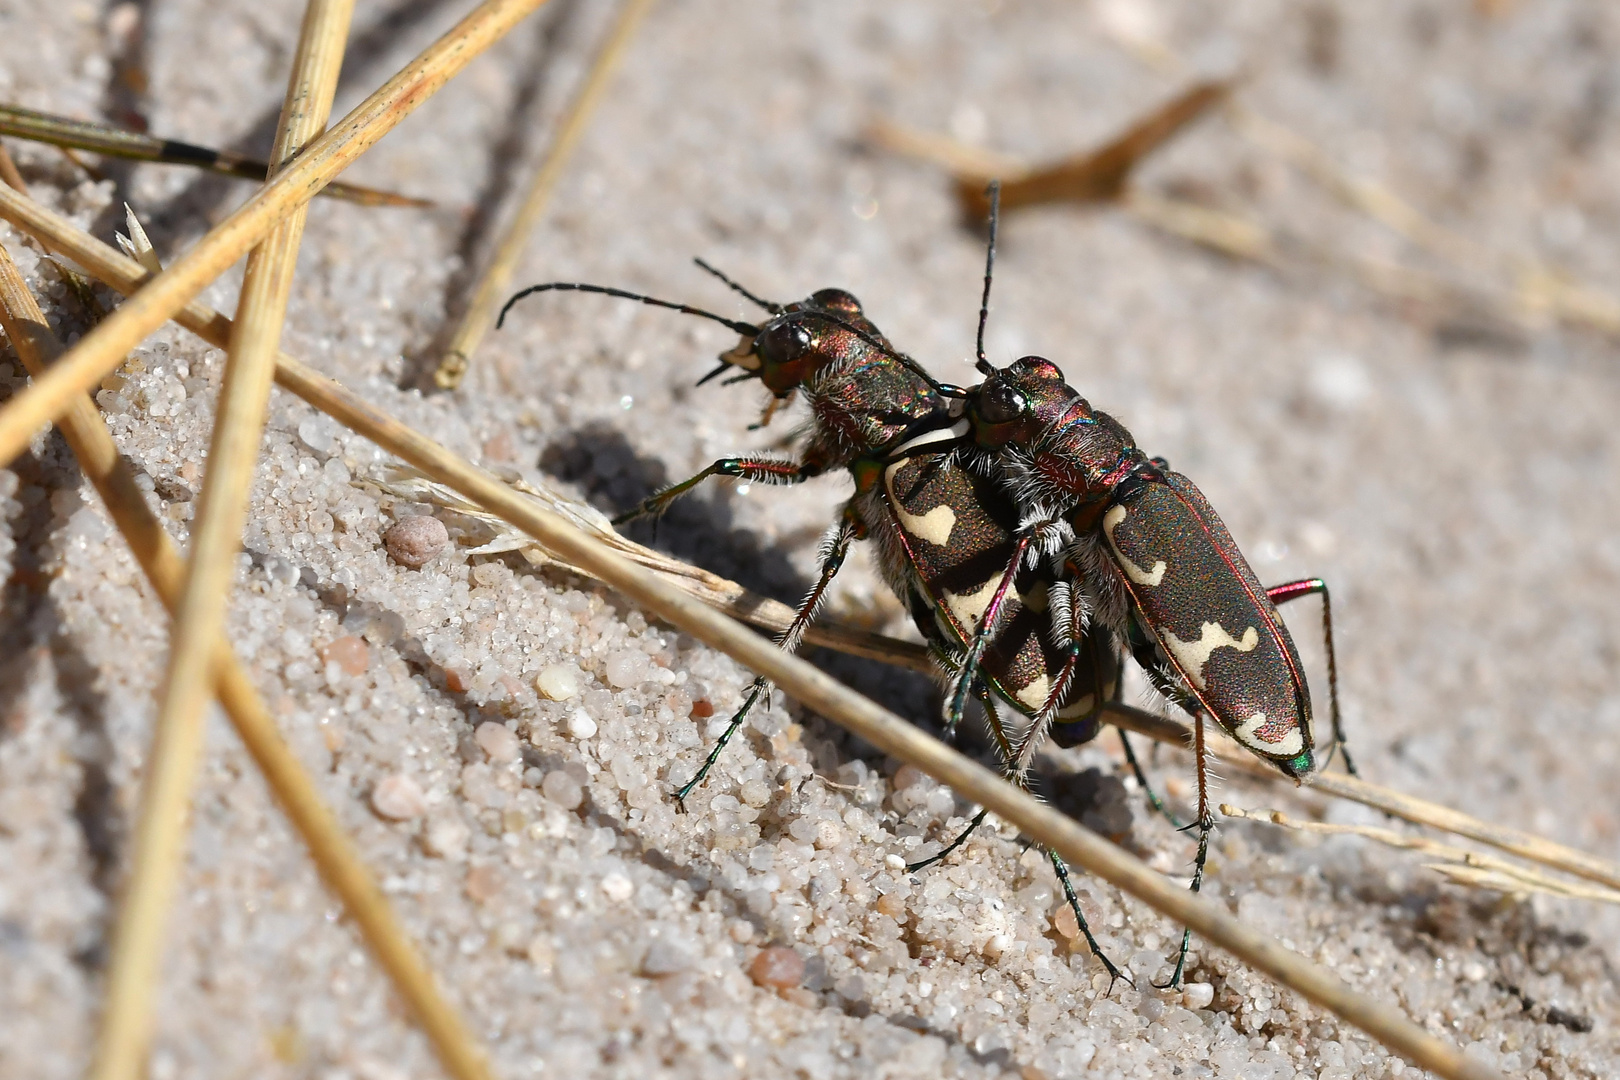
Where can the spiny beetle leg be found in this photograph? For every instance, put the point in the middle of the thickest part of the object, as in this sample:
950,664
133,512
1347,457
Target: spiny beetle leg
1004,746
978,819
1205,825
984,633
754,470
833,552
754,692
1062,871
1147,789
1293,590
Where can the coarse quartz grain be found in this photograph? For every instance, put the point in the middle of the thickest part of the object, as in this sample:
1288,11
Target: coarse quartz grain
777,967
398,797
626,668
414,541
580,724
559,682
349,653
500,744
562,789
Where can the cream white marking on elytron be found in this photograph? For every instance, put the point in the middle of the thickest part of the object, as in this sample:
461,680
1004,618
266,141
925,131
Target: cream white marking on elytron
1192,656
1149,578
935,526
1289,745
1035,599
1033,696
950,434
969,607
1078,708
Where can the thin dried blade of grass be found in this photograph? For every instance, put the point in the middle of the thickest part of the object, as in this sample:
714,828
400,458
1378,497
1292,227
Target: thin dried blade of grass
159,844
718,592
103,349
818,691
111,141
1525,845
9,173
334,855
496,280
1471,868
1098,175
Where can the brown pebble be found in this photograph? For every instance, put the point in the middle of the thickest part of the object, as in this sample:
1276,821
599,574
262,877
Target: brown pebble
456,680
398,798
892,905
483,884
908,775
702,709
349,653
777,967
413,541
1064,922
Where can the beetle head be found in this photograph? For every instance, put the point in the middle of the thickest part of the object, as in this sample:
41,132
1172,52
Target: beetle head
1019,401
804,337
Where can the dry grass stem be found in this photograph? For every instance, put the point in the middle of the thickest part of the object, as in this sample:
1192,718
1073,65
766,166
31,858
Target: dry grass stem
9,173
1098,175
714,590
1407,807
103,349
496,281
199,618
820,692
1471,868
334,855
109,141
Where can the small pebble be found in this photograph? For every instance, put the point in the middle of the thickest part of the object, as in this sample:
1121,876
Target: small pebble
777,968
413,541
349,653
580,724
559,682
560,788
617,887
446,838
501,745
542,954
1197,995
702,709
483,884
908,776
626,668
1064,922
398,798
665,958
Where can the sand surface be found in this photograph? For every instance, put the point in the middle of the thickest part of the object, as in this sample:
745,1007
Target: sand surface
1451,473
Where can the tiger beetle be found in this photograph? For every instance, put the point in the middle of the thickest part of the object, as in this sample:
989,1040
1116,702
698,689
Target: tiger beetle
943,533
1156,565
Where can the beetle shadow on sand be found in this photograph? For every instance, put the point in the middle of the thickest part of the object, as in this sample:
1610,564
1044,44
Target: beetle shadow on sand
701,528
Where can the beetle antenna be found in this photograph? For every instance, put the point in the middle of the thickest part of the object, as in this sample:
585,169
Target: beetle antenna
984,366
769,305
746,329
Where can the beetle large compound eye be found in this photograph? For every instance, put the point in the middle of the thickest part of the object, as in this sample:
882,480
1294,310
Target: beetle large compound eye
836,300
784,342
1000,404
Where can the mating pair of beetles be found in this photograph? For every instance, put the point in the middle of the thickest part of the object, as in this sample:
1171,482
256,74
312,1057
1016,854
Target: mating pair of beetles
1031,540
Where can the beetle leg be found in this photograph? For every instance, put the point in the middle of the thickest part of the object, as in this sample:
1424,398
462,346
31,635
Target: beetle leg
1141,778
1004,746
754,470
1206,825
1293,590
834,548
1062,871
983,634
